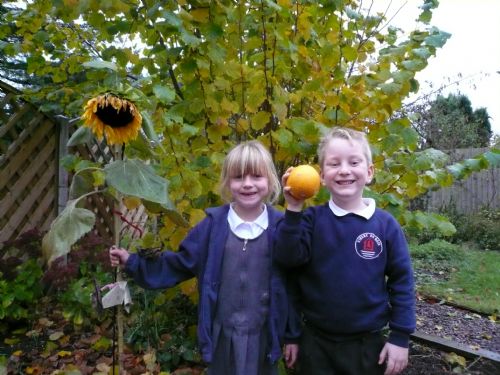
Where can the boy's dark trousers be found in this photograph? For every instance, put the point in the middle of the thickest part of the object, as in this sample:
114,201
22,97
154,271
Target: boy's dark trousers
321,354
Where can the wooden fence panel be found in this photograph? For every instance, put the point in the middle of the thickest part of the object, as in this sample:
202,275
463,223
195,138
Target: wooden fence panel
28,165
480,190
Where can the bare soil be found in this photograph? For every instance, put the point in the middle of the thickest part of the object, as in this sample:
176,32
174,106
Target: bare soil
460,325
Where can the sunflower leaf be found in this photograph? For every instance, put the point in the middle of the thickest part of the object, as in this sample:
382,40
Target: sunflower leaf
133,177
68,227
81,183
82,135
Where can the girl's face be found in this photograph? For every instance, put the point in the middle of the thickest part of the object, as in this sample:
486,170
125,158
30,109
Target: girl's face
345,172
248,191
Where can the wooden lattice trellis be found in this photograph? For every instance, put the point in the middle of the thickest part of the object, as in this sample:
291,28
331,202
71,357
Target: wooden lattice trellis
28,167
33,186
103,205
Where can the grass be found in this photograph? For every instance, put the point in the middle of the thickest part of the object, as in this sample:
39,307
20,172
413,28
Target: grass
467,277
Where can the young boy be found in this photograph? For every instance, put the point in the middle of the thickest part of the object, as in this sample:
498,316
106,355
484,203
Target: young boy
353,268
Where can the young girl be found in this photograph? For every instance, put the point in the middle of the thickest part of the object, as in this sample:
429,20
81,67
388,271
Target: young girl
243,310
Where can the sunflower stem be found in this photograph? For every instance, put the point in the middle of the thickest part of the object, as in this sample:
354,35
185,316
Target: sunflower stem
119,311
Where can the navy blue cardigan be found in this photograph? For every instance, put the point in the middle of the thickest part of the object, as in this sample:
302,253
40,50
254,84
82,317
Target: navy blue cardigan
200,255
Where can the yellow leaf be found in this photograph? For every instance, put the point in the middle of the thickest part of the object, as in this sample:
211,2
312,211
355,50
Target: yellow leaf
193,331
228,106
17,353
189,287
455,358
78,318
45,322
33,333
332,100
63,353
195,216
303,51
131,202
11,341
280,110
102,367
242,125
56,335
260,120
200,14
64,340
49,347
150,360
99,178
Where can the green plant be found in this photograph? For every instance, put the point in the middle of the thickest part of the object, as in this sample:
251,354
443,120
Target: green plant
436,250
20,294
165,321
482,228
77,303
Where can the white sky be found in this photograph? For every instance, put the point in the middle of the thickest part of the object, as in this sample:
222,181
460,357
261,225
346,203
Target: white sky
473,50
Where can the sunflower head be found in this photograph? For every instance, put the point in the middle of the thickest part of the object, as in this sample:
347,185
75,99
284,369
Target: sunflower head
114,117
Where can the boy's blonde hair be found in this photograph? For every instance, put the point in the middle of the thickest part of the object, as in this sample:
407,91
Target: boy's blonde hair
249,157
348,134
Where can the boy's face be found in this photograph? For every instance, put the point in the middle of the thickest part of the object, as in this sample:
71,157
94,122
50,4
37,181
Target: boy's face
345,172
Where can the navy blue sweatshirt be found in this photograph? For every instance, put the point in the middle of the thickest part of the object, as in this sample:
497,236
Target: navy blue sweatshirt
354,274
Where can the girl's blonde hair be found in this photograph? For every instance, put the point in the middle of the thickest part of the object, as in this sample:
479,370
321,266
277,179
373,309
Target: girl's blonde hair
348,134
249,157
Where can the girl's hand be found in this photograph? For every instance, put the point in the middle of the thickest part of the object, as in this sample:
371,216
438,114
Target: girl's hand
291,354
293,204
118,256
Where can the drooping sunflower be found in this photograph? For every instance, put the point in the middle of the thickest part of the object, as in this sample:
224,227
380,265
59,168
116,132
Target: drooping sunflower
116,118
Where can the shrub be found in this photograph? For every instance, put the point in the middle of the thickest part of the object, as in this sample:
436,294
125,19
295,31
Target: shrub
19,294
436,250
20,272
166,321
89,255
70,279
482,227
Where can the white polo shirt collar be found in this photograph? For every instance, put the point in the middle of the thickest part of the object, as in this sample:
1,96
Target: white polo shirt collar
247,230
366,212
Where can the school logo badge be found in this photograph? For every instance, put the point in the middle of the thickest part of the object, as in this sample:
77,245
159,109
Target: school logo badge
368,246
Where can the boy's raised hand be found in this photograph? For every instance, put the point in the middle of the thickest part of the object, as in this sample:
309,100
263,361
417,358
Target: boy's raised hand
118,256
293,204
395,357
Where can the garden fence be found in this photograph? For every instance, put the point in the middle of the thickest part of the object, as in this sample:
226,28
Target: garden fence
33,185
480,190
